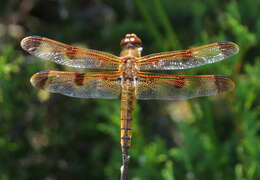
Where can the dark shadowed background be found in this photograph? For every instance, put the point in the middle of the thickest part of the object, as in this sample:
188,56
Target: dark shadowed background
50,136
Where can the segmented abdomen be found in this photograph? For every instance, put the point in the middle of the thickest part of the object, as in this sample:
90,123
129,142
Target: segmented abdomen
127,103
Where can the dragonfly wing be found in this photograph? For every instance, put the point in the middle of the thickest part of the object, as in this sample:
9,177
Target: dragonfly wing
81,85
188,58
180,87
69,55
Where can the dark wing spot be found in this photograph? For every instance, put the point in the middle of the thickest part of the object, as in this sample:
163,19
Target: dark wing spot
179,82
186,55
79,79
71,52
104,78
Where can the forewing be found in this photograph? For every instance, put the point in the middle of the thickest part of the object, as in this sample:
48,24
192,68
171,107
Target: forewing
69,55
180,87
80,85
188,58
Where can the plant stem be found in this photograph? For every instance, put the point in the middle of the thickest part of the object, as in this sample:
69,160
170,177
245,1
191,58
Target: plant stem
123,169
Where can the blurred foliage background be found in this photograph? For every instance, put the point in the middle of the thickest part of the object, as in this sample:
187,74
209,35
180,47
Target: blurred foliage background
50,136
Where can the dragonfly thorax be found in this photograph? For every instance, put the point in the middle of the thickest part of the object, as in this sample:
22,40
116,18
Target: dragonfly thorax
129,55
131,52
128,68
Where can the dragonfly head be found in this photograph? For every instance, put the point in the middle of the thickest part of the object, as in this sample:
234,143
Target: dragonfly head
130,40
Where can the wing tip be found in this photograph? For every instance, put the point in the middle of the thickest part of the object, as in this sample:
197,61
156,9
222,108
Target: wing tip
229,48
39,79
224,84
30,43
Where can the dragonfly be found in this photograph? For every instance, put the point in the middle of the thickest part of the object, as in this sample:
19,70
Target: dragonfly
129,76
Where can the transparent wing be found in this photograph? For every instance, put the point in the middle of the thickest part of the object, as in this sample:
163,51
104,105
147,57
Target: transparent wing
69,55
81,85
151,86
188,58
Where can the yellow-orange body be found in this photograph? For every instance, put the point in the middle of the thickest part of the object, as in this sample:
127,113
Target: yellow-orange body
131,75
128,73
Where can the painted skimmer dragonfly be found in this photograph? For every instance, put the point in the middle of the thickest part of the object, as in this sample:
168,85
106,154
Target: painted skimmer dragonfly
129,76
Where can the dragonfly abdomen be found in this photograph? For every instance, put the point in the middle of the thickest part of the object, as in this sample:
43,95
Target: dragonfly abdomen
127,103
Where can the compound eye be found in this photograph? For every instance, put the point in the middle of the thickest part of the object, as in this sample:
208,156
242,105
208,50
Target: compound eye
131,39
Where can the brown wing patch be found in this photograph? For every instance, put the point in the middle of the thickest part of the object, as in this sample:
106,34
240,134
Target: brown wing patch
79,79
186,54
71,52
179,82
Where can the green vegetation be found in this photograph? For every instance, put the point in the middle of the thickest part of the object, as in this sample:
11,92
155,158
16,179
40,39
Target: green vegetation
50,136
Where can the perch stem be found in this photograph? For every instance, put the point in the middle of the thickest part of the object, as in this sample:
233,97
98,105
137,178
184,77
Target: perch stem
123,169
